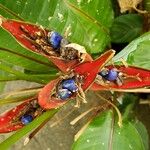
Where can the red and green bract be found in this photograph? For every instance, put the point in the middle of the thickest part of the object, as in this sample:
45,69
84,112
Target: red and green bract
135,78
88,70
14,28
8,120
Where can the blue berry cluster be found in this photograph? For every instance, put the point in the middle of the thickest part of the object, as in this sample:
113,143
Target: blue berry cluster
55,39
68,87
110,75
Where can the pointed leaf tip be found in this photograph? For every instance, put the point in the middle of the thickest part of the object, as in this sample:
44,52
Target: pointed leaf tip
90,69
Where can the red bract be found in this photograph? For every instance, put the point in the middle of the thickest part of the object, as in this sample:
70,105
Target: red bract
134,78
90,69
87,71
7,120
65,66
45,98
11,120
14,27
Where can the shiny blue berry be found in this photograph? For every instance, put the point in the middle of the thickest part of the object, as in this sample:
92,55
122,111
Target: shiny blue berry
26,119
55,39
70,85
110,75
64,94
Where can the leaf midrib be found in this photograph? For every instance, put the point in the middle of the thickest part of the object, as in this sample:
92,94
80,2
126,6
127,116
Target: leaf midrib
110,145
27,57
90,18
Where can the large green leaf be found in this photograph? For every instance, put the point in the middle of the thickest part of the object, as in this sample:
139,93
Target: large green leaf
143,133
104,134
137,52
125,28
89,21
39,78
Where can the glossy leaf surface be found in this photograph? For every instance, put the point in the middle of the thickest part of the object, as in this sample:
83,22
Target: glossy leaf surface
19,75
137,52
104,133
126,28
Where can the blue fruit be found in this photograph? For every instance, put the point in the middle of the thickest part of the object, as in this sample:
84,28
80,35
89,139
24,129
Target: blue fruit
26,119
110,75
55,39
64,94
70,85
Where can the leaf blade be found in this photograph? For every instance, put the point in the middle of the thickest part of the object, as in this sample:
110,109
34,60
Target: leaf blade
131,52
103,133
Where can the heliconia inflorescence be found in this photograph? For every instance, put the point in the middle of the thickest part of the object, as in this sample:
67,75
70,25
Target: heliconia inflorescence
80,73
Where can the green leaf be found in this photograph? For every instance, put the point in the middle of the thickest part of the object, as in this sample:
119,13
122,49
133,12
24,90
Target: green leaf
17,96
4,77
2,84
125,28
137,52
19,134
147,5
39,78
88,26
143,133
104,133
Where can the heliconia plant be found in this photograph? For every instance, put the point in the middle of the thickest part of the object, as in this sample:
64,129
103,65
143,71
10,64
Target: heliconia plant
84,76
78,73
